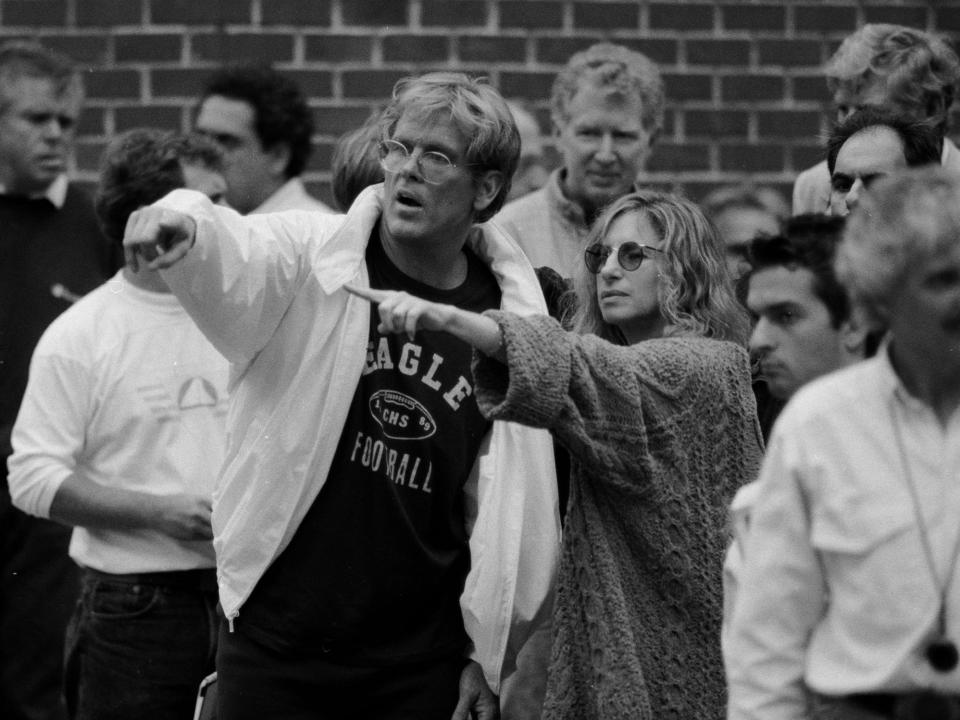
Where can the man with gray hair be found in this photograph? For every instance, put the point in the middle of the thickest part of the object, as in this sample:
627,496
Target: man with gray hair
607,110
906,70
850,587
382,549
51,253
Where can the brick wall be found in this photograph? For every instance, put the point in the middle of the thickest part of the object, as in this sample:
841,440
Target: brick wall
745,98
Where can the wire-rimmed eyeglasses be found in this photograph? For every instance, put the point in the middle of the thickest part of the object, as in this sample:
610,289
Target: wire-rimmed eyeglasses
630,255
434,167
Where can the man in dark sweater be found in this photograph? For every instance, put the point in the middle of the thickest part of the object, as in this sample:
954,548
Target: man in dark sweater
51,252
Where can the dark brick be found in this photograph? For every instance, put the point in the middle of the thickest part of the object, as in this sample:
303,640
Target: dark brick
84,49
92,121
606,15
532,14
674,157
198,12
913,16
752,157
88,153
669,128
811,88
834,19
490,49
313,83
321,157
463,13
250,47
335,121
374,12
947,19
112,83
526,84
108,13
178,82
738,88
557,50
687,87
296,12
167,117
370,83
662,51
788,123
754,17
144,47
338,48
415,48
789,53
717,123
718,52
807,155
681,17
34,13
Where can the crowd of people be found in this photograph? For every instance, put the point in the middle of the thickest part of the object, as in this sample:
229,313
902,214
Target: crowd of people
489,440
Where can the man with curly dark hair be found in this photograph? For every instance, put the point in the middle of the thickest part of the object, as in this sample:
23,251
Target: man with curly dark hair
261,121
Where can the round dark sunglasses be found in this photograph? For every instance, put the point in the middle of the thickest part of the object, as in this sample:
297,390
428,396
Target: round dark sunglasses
630,255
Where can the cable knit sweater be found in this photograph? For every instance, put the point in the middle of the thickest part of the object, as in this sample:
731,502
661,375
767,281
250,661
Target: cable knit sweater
661,435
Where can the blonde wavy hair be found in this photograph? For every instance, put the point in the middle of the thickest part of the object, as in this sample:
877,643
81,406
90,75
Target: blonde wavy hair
696,291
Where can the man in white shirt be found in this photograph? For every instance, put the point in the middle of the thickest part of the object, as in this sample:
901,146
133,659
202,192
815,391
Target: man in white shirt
901,68
263,125
383,550
121,435
849,589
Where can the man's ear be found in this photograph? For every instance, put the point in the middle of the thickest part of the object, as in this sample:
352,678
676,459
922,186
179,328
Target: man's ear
279,158
853,335
487,187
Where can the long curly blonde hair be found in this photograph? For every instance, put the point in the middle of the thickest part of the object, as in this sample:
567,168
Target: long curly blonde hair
696,291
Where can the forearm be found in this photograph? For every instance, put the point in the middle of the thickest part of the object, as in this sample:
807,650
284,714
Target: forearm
480,331
89,504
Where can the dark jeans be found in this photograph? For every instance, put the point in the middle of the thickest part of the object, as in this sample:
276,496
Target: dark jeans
39,584
256,682
138,647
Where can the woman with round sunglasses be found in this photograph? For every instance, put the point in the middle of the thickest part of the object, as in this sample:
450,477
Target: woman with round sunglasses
651,396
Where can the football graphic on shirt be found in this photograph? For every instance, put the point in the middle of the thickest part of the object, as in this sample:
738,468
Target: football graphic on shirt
400,416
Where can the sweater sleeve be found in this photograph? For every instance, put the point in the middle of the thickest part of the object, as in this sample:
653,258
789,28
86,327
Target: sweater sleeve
600,400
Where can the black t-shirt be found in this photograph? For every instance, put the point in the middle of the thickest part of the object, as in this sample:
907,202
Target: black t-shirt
374,573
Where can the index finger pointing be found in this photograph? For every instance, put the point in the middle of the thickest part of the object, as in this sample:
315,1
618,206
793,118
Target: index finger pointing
374,296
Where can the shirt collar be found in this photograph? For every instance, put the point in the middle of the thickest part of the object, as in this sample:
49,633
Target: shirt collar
565,207
56,192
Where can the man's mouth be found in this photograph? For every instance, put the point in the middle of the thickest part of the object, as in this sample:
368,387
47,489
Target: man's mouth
407,199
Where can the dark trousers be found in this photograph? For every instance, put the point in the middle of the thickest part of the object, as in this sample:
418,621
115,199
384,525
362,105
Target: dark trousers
256,682
138,648
39,584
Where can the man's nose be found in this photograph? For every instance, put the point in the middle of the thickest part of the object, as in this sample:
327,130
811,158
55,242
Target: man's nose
607,149
761,339
853,194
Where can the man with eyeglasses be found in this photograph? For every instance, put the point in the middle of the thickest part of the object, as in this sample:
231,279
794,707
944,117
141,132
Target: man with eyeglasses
607,110
382,549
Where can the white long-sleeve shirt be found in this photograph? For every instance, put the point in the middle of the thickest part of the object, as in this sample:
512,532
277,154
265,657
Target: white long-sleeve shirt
126,392
835,591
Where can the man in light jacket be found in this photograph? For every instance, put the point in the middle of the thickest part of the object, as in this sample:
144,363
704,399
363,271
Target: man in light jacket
383,551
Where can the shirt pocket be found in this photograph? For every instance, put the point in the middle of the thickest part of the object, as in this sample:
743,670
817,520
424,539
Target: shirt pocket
857,523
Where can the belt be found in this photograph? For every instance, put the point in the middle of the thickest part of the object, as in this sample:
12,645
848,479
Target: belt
925,705
204,579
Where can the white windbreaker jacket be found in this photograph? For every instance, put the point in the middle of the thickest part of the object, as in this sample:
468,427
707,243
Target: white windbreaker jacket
267,291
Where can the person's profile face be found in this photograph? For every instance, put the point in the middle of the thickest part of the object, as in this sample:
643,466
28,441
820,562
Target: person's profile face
604,144
865,157
37,126
793,337
206,180
738,225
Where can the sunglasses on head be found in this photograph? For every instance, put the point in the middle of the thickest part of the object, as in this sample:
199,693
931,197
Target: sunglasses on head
630,255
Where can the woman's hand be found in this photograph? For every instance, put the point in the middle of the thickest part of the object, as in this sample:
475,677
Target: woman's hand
401,312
